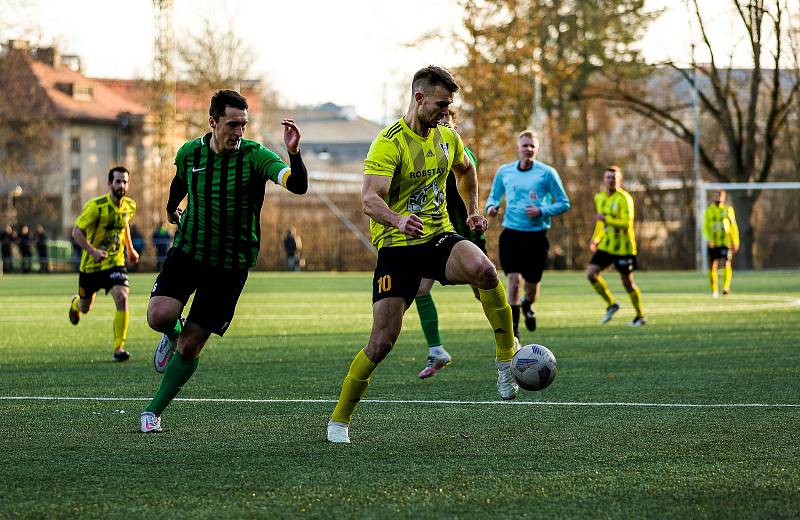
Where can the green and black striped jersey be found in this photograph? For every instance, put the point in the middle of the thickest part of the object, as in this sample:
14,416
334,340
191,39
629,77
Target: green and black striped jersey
221,225
456,209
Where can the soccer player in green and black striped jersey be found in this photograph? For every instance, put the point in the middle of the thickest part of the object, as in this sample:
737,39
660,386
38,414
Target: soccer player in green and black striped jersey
217,241
613,242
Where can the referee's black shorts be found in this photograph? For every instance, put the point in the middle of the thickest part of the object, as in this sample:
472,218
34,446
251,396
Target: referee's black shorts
524,252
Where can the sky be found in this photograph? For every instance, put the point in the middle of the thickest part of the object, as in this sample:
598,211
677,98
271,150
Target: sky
350,52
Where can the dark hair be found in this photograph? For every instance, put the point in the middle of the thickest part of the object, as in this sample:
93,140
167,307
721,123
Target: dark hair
614,168
112,171
431,76
226,98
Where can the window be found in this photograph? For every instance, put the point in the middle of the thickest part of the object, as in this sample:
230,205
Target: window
83,92
75,189
75,145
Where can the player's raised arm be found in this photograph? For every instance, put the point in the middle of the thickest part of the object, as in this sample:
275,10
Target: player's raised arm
297,182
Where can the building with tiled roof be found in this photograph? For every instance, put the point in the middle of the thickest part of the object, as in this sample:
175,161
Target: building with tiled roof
76,129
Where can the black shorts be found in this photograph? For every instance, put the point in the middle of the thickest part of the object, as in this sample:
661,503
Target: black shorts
216,290
524,252
90,283
720,253
624,264
400,269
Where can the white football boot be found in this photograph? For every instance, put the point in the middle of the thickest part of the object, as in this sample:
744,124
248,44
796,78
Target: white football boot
338,432
506,385
164,351
435,363
150,423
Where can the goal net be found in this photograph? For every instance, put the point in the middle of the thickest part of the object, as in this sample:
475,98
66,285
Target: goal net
774,221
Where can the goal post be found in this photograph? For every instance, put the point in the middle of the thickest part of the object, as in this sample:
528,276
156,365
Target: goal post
701,203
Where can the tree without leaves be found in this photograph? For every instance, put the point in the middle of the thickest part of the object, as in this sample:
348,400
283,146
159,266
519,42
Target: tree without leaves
29,124
749,112
563,43
209,60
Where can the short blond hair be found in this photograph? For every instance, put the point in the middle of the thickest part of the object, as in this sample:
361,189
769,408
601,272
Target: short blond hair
528,133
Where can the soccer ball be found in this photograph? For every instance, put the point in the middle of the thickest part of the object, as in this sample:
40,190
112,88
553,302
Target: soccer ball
534,367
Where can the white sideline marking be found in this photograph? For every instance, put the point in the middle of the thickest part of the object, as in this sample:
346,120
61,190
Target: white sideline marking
738,303
415,401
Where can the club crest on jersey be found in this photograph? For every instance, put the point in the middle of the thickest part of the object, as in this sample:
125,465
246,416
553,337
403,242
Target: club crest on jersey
445,149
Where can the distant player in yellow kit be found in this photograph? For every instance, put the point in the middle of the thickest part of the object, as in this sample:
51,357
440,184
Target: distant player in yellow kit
613,242
103,232
722,234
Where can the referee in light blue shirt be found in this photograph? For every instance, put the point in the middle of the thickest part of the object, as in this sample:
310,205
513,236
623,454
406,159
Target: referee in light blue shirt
534,194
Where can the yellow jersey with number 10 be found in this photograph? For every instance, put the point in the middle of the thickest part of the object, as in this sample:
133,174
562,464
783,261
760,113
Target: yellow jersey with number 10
419,168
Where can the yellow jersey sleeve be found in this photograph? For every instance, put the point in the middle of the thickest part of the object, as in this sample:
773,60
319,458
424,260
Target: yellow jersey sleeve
88,216
734,228
383,157
458,156
599,229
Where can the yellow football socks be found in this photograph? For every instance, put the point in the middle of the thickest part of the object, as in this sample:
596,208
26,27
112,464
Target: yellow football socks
727,277
636,300
353,387
602,289
498,312
713,279
121,320
74,305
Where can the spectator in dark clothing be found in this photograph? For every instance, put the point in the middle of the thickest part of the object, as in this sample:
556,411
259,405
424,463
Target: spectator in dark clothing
161,241
26,248
40,239
7,240
292,245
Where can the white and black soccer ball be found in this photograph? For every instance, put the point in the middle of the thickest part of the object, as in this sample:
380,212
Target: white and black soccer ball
534,367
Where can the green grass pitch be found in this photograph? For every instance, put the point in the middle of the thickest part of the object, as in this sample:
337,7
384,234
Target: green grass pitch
696,415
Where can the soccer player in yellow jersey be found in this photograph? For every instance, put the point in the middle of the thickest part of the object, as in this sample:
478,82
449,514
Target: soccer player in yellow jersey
722,234
103,231
403,193
613,242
